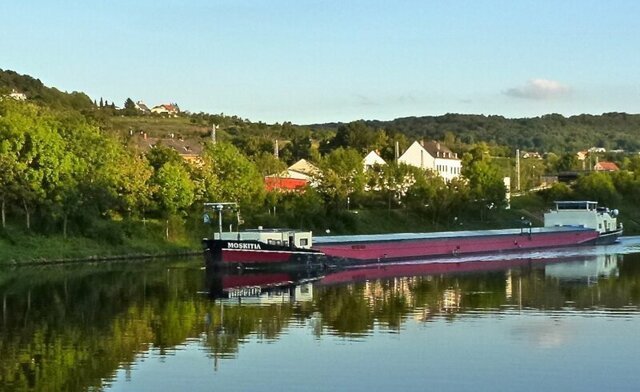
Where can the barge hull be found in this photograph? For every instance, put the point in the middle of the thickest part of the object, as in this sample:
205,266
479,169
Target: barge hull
361,252
431,247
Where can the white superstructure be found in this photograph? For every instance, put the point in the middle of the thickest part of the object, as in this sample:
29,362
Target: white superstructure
300,239
582,214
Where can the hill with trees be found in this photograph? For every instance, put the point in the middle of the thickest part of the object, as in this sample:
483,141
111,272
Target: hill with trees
549,133
73,169
36,91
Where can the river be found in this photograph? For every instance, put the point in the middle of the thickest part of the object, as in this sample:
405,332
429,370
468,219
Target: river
564,320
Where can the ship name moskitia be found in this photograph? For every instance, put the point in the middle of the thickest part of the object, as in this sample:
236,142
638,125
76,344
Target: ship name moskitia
240,245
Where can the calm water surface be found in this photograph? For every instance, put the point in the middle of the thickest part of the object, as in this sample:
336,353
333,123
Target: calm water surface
566,321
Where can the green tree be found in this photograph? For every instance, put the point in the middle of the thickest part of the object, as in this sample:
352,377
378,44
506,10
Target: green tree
567,162
268,164
129,108
229,176
159,155
299,148
486,184
597,186
342,176
8,178
174,190
356,135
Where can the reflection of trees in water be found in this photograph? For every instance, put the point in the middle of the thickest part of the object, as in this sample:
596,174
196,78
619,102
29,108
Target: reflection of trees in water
389,302
68,329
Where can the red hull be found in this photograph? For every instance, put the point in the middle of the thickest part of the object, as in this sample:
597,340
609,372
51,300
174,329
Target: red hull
408,249
385,271
243,256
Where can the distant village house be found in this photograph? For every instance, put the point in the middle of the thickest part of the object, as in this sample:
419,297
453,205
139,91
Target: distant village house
372,159
433,156
295,178
18,96
605,166
142,108
530,155
189,150
170,109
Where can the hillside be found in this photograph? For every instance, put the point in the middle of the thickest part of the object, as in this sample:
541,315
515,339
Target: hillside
549,133
36,91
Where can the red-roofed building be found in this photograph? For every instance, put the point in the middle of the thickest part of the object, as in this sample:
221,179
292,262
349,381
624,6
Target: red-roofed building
282,184
295,178
605,166
171,109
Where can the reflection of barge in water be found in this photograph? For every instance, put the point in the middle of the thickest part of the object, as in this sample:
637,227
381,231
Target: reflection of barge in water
260,287
569,224
268,287
584,271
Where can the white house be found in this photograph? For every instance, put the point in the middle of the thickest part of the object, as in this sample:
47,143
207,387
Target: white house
372,159
141,107
301,170
18,96
433,156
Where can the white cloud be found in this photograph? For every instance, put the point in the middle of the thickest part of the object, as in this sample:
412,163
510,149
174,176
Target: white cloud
539,89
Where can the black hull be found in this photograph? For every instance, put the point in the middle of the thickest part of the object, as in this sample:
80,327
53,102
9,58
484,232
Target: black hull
608,238
221,254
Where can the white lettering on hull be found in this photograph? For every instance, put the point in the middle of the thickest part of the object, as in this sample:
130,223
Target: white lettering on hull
244,246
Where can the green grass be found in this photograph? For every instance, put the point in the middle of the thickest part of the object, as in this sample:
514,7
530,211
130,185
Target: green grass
18,246
159,126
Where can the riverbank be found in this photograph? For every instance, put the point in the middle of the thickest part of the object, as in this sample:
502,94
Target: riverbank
21,247
137,240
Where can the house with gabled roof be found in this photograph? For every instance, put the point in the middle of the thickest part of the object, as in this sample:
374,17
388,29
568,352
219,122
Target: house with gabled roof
189,150
142,107
295,178
373,158
605,166
433,156
171,109
582,155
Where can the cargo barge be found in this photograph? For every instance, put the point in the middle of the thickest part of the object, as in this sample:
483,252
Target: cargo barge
570,223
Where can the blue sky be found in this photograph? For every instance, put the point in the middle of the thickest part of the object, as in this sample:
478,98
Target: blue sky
322,61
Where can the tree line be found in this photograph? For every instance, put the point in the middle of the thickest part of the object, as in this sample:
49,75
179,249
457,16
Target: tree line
548,133
62,169
59,172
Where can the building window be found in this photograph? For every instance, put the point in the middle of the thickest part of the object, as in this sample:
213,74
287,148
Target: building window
304,242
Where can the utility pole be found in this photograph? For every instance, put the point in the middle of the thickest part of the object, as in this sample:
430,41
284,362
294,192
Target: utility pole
214,128
518,170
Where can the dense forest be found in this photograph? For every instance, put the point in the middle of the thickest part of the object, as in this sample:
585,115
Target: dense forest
549,133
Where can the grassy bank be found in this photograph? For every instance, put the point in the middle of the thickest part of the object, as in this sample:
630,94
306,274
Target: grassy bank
19,246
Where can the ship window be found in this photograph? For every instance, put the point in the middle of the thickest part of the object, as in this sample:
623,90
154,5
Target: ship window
599,225
271,242
304,242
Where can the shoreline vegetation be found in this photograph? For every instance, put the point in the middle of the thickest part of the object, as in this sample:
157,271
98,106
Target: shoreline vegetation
37,249
28,249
